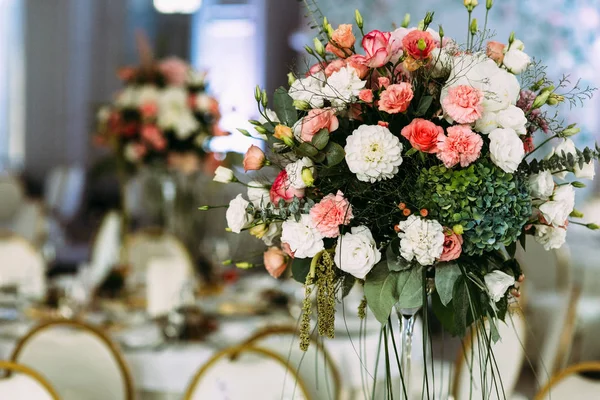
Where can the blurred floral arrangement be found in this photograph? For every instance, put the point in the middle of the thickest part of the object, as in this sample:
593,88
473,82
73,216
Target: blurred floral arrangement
411,169
162,114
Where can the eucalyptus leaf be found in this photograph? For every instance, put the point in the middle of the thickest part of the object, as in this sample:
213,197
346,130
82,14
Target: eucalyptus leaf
381,291
410,288
301,268
283,105
320,139
308,149
334,154
348,284
446,275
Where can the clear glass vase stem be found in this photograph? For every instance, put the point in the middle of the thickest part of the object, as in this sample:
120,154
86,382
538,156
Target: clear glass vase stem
406,319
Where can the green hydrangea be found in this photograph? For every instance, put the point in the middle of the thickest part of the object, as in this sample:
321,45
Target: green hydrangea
491,205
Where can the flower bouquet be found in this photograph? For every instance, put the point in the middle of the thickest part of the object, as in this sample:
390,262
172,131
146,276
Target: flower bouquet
408,165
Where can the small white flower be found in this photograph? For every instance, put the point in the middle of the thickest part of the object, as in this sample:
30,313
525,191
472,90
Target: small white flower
342,87
515,60
181,121
356,252
303,237
487,123
550,237
237,217
128,98
294,171
273,232
373,153
258,194
568,147
506,149
421,239
103,114
541,185
441,62
272,116
309,89
514,118
497,283
131,153
223,175
203,102
148,94
557,210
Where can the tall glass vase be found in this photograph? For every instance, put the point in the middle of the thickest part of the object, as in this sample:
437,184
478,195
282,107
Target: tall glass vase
406,319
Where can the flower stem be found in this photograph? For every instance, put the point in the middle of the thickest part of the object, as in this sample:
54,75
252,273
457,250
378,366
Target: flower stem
541,145
469,31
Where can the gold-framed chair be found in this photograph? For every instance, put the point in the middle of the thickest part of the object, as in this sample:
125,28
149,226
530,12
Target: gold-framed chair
284,340
569,384
38,387
23,265
78,359
246,372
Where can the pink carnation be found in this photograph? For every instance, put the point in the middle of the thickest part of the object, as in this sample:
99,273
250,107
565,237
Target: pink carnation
154,137
282,189
462,145
464,104
331,212
396,98
334,66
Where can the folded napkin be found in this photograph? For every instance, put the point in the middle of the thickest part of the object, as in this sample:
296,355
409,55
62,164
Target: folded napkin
166,281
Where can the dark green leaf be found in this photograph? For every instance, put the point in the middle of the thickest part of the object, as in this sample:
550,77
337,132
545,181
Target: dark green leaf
308,149
424,105
444,314
348,284
460,302
511,249
446,275
381,291
523,240
394,260
334,154
321,139
410,288
283,105
300,269
410,152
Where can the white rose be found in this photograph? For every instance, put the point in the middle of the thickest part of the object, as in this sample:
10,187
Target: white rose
502,90
223,175
518,45
487,123
541,185
258,194
550,237
568,147
237,217
557,210
303,237
356,252
273,232
421,239
514,118
441,62
309,89
497,283
506,149
373,153
294,171
342,87
515,60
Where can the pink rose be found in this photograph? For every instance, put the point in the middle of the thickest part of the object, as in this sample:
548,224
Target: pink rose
495,51
462,145
383,123
316,68
275,261
175,70
383,82
331,212
341,41
396,98
396,42
418,44
464,104
149,110
316,120
152,135
282,189
359,63
378,48
423,135
452,246
366,95
254,159
334,66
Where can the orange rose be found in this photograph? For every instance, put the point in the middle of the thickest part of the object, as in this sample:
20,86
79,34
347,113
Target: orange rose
254,159
341,41
495,51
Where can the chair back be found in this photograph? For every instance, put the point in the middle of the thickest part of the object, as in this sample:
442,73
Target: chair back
571,384
22,266
247,372
12,194
491,375
79,360
24,383
285,342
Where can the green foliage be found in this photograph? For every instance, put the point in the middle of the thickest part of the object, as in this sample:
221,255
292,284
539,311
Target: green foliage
300,269
490,204
564,161
283,105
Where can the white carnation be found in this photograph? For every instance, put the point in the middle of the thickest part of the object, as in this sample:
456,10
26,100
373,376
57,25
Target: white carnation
497,283
421,239
541,185
309,89
514,118
557,210
356,252
258,194
506,149
294,171
515,60
568,147
237,217
487,123
342,87
273,232
223,175
550,237
303,237
373,153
